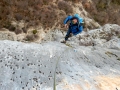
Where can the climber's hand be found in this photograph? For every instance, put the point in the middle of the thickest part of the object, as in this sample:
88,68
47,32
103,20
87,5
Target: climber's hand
66,26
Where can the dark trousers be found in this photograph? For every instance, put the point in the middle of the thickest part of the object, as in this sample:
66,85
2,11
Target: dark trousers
68,34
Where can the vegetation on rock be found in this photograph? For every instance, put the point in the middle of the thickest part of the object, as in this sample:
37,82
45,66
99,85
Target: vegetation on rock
51,13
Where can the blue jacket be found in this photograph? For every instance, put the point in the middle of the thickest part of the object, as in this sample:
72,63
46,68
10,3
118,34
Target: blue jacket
74,28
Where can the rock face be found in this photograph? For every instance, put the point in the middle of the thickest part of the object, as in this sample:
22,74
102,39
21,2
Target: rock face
32,66
90,61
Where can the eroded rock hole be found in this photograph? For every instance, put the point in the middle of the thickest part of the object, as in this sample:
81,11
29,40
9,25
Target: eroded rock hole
34,71
15,57
27,84
13,73
40,72
17,66
35,79
10,67
28,64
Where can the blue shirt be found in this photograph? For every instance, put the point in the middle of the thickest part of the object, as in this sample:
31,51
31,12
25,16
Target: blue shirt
74,28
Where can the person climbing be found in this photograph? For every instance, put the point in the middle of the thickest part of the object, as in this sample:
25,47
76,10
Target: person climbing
75,27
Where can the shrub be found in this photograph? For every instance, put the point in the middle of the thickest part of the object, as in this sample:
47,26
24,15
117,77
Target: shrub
34,31
48,17
7,24
116,2
101,5
75,1
30,38
18,31
18,16
24,30
12,28
119,36
62,5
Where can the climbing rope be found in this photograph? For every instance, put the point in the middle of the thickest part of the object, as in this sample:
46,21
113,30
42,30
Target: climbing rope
54,84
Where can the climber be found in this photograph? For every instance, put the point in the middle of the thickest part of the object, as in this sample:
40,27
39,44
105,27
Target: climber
75,27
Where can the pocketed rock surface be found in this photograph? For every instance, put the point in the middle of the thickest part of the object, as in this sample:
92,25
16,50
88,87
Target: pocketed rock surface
31,66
